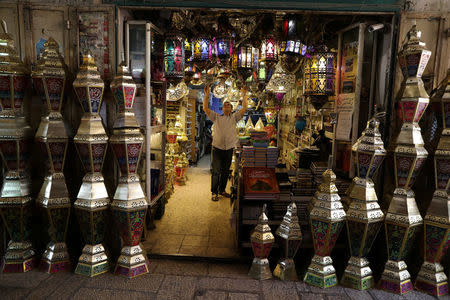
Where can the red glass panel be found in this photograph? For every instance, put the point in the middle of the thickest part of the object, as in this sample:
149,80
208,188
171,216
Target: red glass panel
57,151
133,155
409,109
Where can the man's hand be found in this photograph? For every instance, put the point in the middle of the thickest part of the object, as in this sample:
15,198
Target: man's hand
206,109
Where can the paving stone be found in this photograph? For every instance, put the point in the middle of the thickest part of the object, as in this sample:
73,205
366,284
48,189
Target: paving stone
337,297
210,295
228,270
195,240
416,295
302,287
66,289
90,293
177,267
244,296
331,290
383,295
358,295
193,250
49,285
311,296
13,293
177,287
142,283
221,252
276,289
229,284
29,279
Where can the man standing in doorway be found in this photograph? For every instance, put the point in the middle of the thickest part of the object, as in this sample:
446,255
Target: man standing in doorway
224,141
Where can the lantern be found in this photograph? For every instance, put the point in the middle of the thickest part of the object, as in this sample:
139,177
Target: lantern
189,72
431,278
364,216
319,76
326,220
174,58
403,220
292,48
224,49
129,204
91,142
187,49
268,58
262,241
15,138
245,61
202,55
50,79
289,238
280,82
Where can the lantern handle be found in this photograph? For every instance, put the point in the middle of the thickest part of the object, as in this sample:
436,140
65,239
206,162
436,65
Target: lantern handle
4,27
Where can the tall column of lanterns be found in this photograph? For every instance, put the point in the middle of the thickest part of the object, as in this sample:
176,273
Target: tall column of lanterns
91,142
431,278
326,220
364,216
129,204
403,220
202,53
49,79
174,57
15,138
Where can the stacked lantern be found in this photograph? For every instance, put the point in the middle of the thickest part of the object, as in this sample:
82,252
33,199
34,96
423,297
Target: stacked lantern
202,53
403,220
174,58
326,219
364,216
319,76
49,79
129,204
91,142
289,238
431,278
224,49
262,241
268,59
15,138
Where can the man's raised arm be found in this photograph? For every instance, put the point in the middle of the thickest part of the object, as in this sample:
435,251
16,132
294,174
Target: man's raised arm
244,100
206,108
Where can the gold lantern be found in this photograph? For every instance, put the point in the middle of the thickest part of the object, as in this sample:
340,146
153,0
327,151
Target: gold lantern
431,278
15,138
91,142
403,220
49,79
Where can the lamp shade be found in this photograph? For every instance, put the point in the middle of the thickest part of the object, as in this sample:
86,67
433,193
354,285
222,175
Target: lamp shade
224,48
202,52
174,57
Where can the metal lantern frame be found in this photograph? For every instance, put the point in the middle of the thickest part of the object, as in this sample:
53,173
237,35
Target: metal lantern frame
224,49
202,52
174,57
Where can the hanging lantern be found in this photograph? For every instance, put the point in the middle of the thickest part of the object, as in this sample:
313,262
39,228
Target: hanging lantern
289,238
319,76
431,278
175,93
280,82
269,58
292,48
262,241
326,220
364,216
224,49
189,72
187,49
202,55
174,58
403,220
222,88
50,78
15,138
91,142
129,204
245,60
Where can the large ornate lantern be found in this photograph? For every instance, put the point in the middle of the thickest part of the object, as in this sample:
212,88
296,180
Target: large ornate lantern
364,216
174,57
224,49
268,58
289,238
129,204
91,142
319,76
245,60
49,78
15,138
326,220
202,54
262,241
431,278
403,220
280,82
292,48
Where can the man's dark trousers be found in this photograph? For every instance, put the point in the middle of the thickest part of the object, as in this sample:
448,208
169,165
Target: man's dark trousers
221,162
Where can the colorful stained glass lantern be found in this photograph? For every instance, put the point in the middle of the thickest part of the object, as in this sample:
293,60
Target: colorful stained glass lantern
280,82
364,216
403,220
129,204
174,58
289,238
91,142
431,278
15,138
202,54
319,76
271,114
187,49
268,58
224,49
245,63
262,241
189,72
50,79
292,48
327,218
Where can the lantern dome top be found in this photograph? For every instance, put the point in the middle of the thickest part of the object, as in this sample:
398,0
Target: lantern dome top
123,76
413,39
370,140
9,59
290,227
88,74
51,63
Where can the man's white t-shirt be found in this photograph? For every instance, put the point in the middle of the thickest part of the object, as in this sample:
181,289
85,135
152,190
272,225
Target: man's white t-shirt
224,130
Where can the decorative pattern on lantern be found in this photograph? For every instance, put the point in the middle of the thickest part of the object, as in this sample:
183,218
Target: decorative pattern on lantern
202,53
245,61
129,205
262,241
292,48
224,49
364,216
319,76
15,138
326,220
403,220
174,58
91,142
50,79
289,238
269,58
431,278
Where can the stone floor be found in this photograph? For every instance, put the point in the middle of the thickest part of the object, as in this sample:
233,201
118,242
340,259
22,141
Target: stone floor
193,224
177,279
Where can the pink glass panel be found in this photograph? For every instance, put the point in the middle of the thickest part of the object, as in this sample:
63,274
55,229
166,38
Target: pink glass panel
409,109
55,89
98,153
133,155
420,111
129,92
